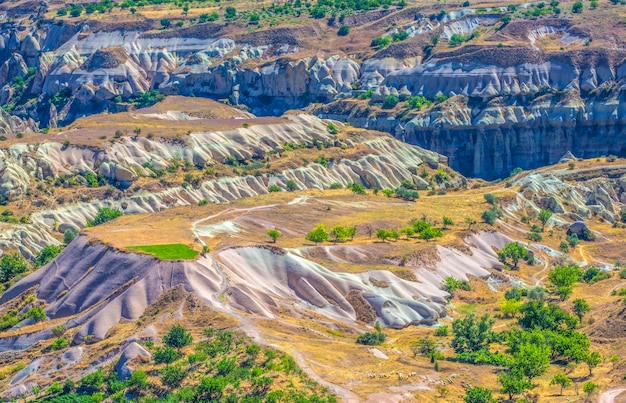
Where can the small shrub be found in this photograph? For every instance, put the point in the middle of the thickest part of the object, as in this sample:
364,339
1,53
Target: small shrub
343,30
390,102
491,199
442,331
59,343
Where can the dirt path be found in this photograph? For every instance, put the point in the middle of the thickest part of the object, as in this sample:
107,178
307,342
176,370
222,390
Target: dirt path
610,395
347,396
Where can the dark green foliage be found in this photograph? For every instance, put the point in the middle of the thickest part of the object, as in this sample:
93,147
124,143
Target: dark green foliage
94,381
372,338
539,315
173,375
513,383
47,254
390,102
274,188
177,337
491,198
563,279
577,7
580,308
593,275
147,99
400,36
165,355
472,334
515,294
68,236
291,185
12,265
478,394
231,13
417,102
490,216
103,215
343,30
381,42
406,194
357,188
511,254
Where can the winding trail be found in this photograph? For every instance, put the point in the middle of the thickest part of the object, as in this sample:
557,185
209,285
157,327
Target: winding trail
610,395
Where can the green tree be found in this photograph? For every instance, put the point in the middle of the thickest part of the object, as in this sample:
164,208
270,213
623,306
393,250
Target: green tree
382,234
357,188
139,379
407,231
451,284
11,265
472,334
165,355
173,375
340,233
343,30
291,185
589,388
274,234
211,388
531,360
319,234
592,360
59,343
490,216
372,338
513,383
430,233
231,13
390,102
177,337
563,279
47,254
580,308
103,215
491,198
577,7
68,236
510,308
165,23
538,314
562,380
427,347
478,394
447,221
513,251
544,216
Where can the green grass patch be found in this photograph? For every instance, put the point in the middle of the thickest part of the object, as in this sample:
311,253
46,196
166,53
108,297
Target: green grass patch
175,251
466,309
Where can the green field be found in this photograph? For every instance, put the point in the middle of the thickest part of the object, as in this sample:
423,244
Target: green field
174,251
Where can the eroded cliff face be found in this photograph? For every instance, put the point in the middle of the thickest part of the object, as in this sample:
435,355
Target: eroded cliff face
492,152
507,106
